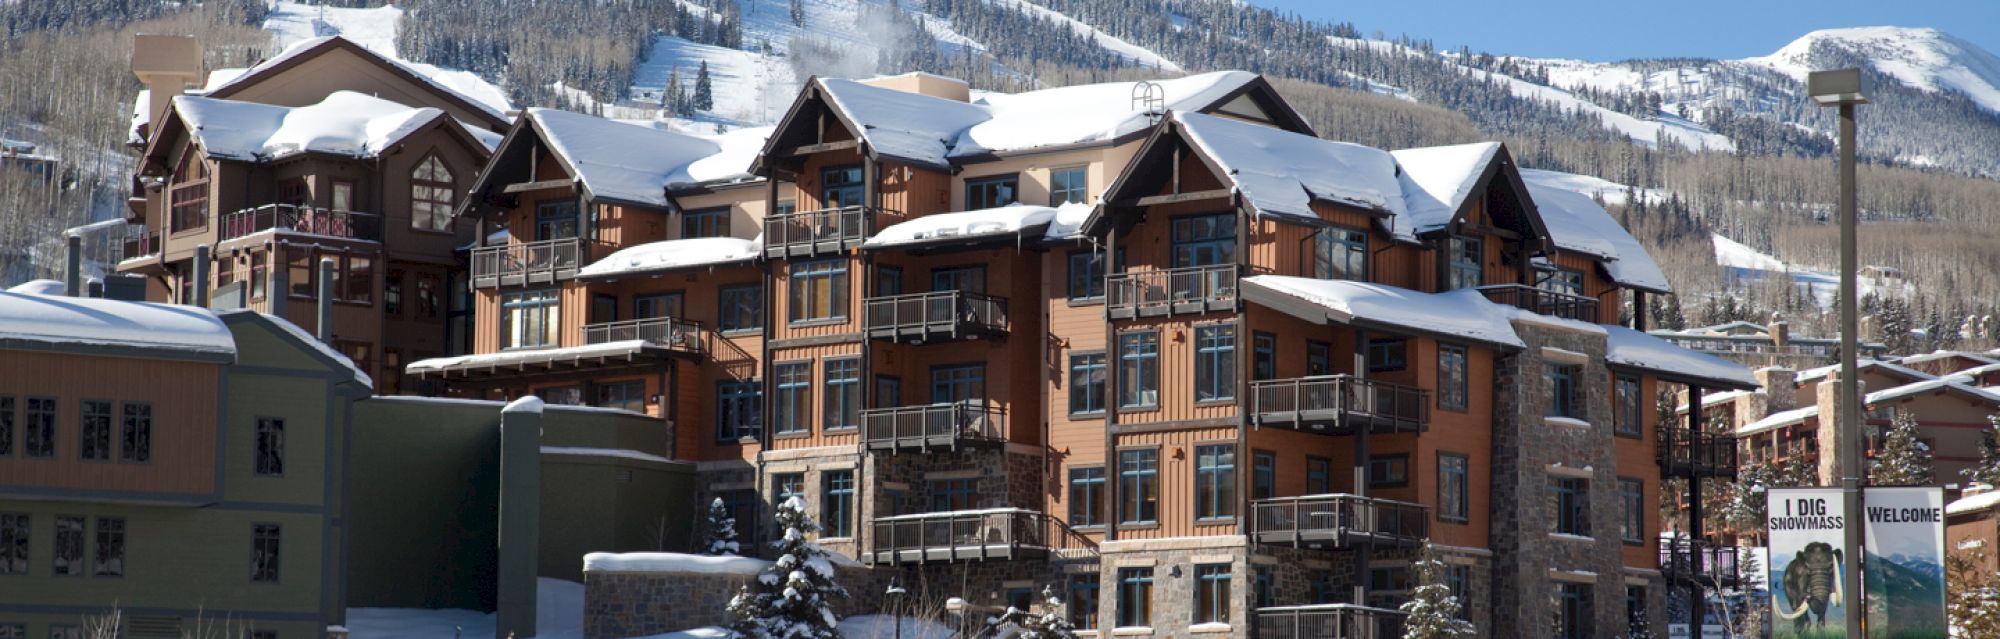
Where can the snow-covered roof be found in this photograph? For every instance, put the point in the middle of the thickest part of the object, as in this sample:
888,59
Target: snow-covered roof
1945,354
532,357
1797,415
635,163
345,123
1463,313
1974,503
44,322
994,222
672,562
1436,180
1627,347
1778,420
1068,222
141,116
40,287
667,255
1577,223
1282,173
467,86
1825,372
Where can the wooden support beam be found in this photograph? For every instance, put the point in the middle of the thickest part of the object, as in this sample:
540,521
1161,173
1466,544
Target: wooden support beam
520,187
809,149
1212,194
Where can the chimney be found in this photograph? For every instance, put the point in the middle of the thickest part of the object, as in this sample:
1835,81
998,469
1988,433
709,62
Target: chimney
167,65
921,83
201,266
1780,386
1828,426
73,269
324,323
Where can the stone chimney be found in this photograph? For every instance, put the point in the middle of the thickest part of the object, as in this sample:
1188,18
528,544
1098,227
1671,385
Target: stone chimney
1828,427
1780,386
921,83
167,65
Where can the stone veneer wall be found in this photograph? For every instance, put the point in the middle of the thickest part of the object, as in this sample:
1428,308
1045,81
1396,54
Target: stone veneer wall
632,604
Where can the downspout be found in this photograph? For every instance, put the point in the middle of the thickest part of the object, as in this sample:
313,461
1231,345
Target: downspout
1111,396
871,199
1244,228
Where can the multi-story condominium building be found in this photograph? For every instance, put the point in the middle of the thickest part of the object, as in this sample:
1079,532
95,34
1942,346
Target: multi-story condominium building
1753,344
327,151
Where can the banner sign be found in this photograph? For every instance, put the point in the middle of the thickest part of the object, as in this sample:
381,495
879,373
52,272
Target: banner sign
1807,531
1904,535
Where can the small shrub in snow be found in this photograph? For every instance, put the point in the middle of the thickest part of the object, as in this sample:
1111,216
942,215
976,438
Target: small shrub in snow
1432,608
793,599
721,531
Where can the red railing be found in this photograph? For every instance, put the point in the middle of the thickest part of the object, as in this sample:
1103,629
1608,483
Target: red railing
310,220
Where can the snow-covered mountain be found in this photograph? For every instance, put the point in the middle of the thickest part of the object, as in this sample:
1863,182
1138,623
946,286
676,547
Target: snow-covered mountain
1923,58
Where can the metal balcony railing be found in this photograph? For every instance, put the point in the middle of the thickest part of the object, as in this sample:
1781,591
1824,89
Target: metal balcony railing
1328,621
1550,303
1195,289
140,241
946,425
1338,520
919,317
809,233
1707,454
665,331
1339,404
1706,563
974,535
302,219
544,262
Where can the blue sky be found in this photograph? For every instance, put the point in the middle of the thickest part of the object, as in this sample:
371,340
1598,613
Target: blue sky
1604,30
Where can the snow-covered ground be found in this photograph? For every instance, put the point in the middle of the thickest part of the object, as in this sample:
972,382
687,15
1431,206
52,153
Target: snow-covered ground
1609,191
375,29
558,615
1740,261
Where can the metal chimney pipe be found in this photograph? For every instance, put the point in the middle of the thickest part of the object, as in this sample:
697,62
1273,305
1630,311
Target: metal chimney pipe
201,266
73,273
325,320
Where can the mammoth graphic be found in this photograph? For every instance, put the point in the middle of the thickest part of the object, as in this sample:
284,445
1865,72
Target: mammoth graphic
1812,583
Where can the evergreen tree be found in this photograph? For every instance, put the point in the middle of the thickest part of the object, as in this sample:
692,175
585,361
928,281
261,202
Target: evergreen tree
1972,602
793,598
704,95
1052,623
1432,608
1903,460
721,531
1987,471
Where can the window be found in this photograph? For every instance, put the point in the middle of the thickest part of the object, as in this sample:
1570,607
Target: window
1135,597
392,293
657,305
1389,578
1204,240
1453,489
843,393
40,439
948,495
959,278
1389,471
110,547
1561,381
1466,269
65,631
1266,579
888,391
888,281
794,400
69,546
14,529
360,280
431,195
1572,504
1020,598
819,290
1086,275
555,220
136,433
1215,481
1069,185
1628,421
1572,611
1263,356
840,186
1632,526
270,446
1211,593
258,276
962,383
189,197
1139,486
13,631
1214,363
343,196
1388,355
837,508
1563,281
1452,388
1319,358
990,192
738,410
299,272
265,540
1083,589
786,207
1263,474
740,308
705,223
785,486
1319,476
529,319
429,288
1458,578
1086,383
742,506
1139,369
96,430
1635,611
628,395
603,308
1340,254
1086,496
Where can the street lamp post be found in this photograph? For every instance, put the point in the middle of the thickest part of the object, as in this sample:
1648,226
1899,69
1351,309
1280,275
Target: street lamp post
1843,88
895,595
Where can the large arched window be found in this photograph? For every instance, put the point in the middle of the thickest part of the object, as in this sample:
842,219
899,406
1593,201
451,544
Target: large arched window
431,195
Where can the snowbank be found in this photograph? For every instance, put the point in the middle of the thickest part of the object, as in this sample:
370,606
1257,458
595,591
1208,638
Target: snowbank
84,321
40,287
674,254
1005,220
673,562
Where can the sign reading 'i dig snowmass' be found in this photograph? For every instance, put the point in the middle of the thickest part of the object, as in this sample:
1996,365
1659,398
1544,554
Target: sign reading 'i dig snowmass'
1904,529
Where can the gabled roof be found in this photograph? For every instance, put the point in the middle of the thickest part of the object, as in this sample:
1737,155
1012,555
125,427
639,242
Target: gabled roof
618,162
1463,314
1440,180
459,88
1577,223
1906,391
352,377
1908,374
344,124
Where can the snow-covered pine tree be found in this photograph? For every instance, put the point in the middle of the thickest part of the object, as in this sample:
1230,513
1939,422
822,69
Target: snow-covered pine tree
1052,623
792,599
1903,460
1987,471
704,95
1973,600
721,531
1432,608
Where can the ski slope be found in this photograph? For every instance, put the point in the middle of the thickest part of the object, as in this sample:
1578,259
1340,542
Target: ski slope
1741,262
374,29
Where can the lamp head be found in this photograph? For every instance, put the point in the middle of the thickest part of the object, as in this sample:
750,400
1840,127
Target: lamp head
1835,87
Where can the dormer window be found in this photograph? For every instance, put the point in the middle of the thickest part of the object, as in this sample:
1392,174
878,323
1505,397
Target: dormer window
1466,269
432,191
1563,281
1340,254
189,196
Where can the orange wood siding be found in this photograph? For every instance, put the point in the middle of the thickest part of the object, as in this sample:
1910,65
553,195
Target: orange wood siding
815,434
183,395
1176,483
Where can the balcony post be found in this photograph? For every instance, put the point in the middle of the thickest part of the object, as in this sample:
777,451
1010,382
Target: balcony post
1111,384
1695,604
1365,550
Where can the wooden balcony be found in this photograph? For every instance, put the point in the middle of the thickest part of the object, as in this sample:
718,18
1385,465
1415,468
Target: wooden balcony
1196,289
544,262
303,220
821,232
1708,564
673,333
1339,405
1328,621
974,535
140,241
1338,521
1703,453
1550,303
942,315
948,426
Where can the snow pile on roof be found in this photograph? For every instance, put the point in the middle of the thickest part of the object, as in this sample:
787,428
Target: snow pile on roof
620,161
1577,223
1436,180
1945,354
506,358
345,123
1627,347
478,92
141,116
1283,173
1068,221
904,125
1005,220
1461,313
674,254
40,287
360,377
1778,420
1932,385
1975,503
672,562
525,404
85,321
739,150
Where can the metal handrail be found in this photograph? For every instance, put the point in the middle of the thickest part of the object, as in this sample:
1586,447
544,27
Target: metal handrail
943,424
547,257
943,311
976,534
812,232
1303,398
1551,303
1706,562
299,218
1706,451
1193,284
1328,621
665,331
1340,514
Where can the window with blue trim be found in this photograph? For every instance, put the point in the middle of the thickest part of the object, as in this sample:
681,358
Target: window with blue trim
1139,486
1135,597
1263,356
738,408
1215,363
843,393
740,308
818,290
1086,496
1139,369
1070,184
1319,476
837,508
1263,474
1086,275
1211,593
705,223
1083,593
794,402
1086,383
991,192
949,495
1340,254
1561,380
1215,481
1467,270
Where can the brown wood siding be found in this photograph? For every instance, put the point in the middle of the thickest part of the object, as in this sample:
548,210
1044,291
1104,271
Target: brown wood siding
1176,371
1636,460
183,395
1609,297
815,357
1176,483
1013,375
